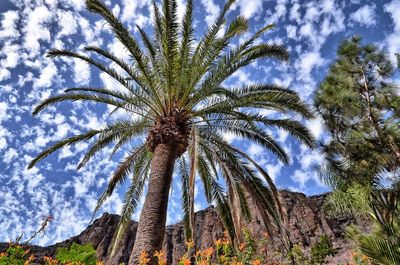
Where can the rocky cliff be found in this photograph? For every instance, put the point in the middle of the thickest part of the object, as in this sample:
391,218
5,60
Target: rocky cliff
307,222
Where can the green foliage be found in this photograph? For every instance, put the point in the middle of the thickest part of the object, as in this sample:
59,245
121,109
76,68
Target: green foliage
354,201
360,108
248,251
320,251
85,254
15,255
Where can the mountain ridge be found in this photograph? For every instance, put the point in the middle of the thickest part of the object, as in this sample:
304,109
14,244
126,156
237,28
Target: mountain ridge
307,221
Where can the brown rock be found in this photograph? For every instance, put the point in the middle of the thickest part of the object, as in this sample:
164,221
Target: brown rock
307,222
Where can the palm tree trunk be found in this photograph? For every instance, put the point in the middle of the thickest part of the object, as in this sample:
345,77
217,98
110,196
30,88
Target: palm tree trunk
151,228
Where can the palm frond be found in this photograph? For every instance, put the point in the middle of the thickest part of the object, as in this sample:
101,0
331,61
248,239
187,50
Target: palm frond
132,197
116,132
66,142
124,169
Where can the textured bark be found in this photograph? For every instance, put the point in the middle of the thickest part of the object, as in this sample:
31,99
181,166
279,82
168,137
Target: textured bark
151,228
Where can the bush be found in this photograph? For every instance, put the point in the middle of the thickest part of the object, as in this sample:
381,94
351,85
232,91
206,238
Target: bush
77,254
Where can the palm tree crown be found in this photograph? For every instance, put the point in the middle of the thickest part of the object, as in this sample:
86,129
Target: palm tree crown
173,84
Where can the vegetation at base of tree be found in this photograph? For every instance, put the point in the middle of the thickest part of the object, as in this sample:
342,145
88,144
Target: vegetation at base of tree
173,92
76,253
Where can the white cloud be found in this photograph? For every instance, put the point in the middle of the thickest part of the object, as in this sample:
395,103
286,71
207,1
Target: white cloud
393,8
48,73
306,64
3,143
291,31
4,74
81,72
67,22
130,10
35,29
249,7
295,13
316,127
3,111
365,15
393,40
65,152
274,170
11,52
301,177
10,155
212,11
9,25
255,150
76,4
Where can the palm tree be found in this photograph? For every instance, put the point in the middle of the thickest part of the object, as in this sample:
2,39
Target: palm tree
174,87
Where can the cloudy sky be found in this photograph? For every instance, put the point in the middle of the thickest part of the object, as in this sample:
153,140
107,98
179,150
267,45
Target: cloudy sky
311,30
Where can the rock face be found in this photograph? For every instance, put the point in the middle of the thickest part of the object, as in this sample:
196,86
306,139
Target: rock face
307,222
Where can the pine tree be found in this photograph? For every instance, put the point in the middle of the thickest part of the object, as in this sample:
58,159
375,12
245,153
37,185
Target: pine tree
360,107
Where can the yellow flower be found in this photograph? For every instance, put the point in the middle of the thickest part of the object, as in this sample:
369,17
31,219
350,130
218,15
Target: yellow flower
144,259
2,254
99,263
190,244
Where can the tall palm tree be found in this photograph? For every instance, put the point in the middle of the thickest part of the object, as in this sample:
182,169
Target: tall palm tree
174,87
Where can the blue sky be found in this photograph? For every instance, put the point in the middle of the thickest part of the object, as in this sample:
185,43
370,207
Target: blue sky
311,30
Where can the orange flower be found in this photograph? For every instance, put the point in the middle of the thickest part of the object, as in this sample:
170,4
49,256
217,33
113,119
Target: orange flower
2,254
208,252
99,263
218,242
144,259
257,262
161,257
28,261
185,261
242,246
50,260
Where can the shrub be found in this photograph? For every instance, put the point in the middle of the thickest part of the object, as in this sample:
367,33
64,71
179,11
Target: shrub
77,254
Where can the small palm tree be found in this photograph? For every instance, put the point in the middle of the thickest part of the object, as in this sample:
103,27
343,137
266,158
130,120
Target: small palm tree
174,87
382,245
